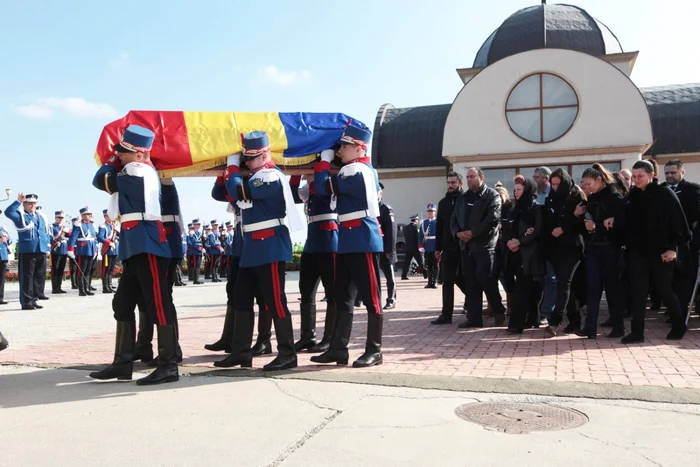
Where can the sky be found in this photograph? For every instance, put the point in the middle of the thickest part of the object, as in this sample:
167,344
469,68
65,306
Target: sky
70,68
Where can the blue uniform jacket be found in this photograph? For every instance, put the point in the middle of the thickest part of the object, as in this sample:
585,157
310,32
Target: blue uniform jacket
170,206
322,235
213,244
104,234
136,236
32,230
358,235
194,243
83,240
59,240
229,240
219,193
426,234
264,190
4,246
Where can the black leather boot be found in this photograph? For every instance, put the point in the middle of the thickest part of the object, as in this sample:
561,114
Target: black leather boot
338,350
242,339
286,355
59,284
166,372
105,286
262,344
373,347
87,288
327,331
308,327
122,366
144,343
73,282
224,344
54,287
3,342
81,287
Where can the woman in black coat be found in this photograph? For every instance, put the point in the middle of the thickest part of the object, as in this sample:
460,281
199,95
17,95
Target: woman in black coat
656,235
603,251
523,255
563,245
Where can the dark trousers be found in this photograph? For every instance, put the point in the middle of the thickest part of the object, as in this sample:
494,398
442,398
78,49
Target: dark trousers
357,273
214,261
269,280
223,265
195,265
177,273
387,267
108,266
58,265
146,276
32,268
316,268
73,273
528,295
481,277
451,266
643,268
684,277
431,266
603,270
407,262
3,269
565,264
83,274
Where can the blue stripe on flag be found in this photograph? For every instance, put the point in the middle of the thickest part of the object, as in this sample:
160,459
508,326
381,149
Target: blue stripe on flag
310,132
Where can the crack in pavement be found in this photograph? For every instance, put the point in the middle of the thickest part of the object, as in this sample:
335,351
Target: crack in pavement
393,426
307,436
294,396
626,448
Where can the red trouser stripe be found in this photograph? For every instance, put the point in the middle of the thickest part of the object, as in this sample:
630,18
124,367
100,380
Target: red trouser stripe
373,283
80,266
276,289
157,297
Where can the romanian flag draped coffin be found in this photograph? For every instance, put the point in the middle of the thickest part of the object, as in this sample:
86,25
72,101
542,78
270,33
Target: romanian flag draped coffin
191,142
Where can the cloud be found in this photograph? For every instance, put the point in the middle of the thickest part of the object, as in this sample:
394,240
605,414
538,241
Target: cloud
74,106
274,75
120,61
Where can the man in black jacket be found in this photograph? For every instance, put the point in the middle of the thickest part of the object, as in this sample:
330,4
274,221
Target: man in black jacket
475,223
688,194
387,223
410,238
447,249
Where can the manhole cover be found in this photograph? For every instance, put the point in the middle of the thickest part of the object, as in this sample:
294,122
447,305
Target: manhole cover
518,418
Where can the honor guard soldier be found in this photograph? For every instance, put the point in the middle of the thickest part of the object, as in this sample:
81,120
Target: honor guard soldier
34,240
194,241
72,264
188,252
145,254
214,250
268,214
82,247
387,222
207,256
227,243
355,193
59,252
426,244
317,264
5,242
108,236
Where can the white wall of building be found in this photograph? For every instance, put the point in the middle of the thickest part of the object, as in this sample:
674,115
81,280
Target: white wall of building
408,196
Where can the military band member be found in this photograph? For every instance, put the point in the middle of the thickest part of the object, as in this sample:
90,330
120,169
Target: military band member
317,264
33,242
426,244
268,214
194,241
5,242
145,254
72,264
108,236
387,222
355,193
82,246
214,250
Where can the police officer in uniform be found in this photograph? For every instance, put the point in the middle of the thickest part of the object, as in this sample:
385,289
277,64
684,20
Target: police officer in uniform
145,254
387,221
82,247
426,240
33,245
317,264
59,252
108,236
412,249
355,196
268,214
5,242
194,240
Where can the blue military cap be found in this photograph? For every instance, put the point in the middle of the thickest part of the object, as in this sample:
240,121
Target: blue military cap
135,139
58,214
415,216
189,226
431,207
254,144
356,136
206,227
214,222
31,198
196,221
228,223
74,220
85,210
104,212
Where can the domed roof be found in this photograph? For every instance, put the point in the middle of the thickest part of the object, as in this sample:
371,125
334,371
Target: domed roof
548,26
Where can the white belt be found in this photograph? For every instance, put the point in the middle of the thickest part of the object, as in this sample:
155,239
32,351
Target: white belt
170,218
351,216
331,216
430,238
86,239
138,216
262,225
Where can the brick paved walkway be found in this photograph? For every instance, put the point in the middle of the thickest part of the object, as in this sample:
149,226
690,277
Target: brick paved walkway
72,331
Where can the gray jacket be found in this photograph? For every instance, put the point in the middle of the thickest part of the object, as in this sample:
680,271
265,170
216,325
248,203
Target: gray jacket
483,220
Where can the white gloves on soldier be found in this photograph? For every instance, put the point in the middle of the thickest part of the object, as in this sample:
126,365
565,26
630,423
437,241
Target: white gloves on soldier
327,155
234,159
71,254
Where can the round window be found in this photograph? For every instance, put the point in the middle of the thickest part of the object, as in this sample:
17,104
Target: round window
541,108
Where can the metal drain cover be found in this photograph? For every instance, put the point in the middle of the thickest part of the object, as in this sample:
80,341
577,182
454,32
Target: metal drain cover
520,418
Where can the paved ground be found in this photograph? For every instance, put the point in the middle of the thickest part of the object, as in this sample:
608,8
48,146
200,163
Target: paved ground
79,331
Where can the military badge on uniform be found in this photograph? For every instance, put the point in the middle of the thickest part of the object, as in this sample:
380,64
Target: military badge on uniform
257,182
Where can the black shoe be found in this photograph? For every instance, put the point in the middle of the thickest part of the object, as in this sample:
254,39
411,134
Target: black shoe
499,319
3,302
107,291
121,371
616,333
607,324
89,292
37,306
677,333
197,283
551,331
91,288
633,338
339,358
305,344
442,319
514,331
404,278
585,333
373,347
122,366
571,329
219,346
3,342
166,372
43,297
61,291
261,348
390,305
281,363
321,347
245,360
368,359
144,354
307,340
467,325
